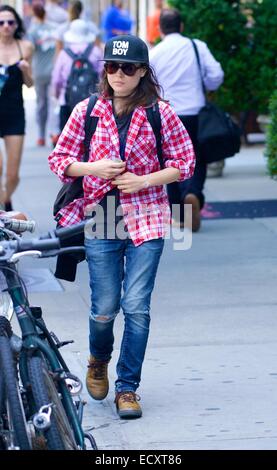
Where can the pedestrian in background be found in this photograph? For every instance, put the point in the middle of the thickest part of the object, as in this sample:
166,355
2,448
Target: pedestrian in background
57,16
153,23
75,10
123,157
175,63
42,35
55,13
15,69
116,20
77,38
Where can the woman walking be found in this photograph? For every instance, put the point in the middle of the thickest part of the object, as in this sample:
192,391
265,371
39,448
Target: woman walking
42,35
78,38
15,69
123,164
75,10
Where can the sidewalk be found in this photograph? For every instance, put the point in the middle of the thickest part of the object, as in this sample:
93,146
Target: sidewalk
210,374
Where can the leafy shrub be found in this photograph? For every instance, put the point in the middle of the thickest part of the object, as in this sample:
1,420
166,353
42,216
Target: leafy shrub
271,137
242,37
263,67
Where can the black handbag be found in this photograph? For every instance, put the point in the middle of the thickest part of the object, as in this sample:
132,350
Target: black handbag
218,135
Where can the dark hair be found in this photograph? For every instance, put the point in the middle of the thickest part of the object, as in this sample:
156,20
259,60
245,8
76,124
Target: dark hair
146,93
75,9
170,21
39,10
20,30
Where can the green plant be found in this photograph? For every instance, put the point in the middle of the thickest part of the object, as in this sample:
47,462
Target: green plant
271,137
222,25
242,36
263,68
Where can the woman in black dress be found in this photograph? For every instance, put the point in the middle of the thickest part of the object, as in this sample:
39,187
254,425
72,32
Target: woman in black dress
15,69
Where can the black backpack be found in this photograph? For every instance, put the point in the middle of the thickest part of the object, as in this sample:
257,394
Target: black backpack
82,79
67,264
71,191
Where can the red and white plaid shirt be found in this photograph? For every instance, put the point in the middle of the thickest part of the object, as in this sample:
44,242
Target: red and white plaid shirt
146,213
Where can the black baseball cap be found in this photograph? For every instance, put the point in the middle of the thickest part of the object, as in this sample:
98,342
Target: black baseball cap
126,48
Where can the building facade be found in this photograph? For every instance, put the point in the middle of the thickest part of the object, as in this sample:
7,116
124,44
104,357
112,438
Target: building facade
138,8
94,9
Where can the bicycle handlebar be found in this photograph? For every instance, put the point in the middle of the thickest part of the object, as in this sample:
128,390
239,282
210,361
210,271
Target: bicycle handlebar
19,226
48,242
66,232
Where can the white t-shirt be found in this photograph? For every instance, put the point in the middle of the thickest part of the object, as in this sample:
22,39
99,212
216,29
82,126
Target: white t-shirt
55,14
175,64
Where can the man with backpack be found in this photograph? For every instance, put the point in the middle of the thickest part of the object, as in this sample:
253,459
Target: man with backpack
77,68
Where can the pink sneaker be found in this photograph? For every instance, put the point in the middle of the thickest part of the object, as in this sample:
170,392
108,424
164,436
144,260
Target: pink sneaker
54,139
41,142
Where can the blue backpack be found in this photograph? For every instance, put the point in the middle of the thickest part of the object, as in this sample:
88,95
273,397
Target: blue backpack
82,80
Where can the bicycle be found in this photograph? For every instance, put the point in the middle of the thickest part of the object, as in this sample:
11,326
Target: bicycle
40,403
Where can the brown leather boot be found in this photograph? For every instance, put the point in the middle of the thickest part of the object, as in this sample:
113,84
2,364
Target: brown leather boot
195,207
127,405
97,381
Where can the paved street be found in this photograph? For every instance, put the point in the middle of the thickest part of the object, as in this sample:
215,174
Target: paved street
210,373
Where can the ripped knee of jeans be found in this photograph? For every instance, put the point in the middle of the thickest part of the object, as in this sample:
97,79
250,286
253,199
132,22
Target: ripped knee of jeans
103,318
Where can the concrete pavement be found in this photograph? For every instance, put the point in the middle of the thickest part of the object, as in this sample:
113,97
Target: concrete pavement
210,373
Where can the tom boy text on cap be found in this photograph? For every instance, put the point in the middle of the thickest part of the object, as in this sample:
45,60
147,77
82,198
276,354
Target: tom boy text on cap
126,48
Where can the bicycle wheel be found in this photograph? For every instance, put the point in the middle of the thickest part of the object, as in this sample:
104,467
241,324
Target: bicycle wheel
12,412
2,408
59,436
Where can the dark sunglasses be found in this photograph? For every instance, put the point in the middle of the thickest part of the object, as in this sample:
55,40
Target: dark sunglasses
9,22
127,69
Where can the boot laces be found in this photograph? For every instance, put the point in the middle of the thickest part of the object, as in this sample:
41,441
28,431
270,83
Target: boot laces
99,369
128,397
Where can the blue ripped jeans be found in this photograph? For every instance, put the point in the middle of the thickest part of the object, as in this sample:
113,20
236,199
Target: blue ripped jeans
108,274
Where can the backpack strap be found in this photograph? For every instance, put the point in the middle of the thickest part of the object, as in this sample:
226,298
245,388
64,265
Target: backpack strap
84,54
70,53
199,65
90,125
87,51
154,118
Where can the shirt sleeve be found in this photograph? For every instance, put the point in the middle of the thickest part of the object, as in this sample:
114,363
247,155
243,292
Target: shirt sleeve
95,58
31,36
213,74
56,80
70,146
177,147
107,19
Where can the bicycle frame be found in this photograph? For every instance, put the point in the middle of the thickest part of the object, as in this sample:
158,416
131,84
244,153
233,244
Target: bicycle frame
33,344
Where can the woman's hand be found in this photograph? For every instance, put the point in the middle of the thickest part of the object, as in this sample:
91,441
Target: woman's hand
107,169
13,215
24,66
130,183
